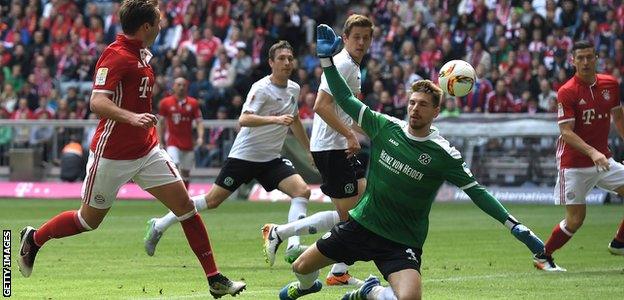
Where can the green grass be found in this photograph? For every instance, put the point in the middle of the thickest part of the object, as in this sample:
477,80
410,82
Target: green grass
467,255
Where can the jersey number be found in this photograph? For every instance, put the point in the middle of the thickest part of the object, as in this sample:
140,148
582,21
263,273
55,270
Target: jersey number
143,87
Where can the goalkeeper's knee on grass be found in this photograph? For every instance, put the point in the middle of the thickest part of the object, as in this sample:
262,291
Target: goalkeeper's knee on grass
525,235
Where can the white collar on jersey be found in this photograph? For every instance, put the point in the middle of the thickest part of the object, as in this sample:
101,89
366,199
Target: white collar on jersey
433,133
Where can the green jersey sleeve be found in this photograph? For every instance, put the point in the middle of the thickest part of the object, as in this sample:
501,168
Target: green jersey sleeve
369,120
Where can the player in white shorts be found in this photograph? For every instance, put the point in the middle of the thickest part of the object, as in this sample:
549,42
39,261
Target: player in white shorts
175,131
125,147
334,146
586,104
269,111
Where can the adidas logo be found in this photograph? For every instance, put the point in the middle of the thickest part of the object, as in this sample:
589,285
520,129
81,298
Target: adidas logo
582,102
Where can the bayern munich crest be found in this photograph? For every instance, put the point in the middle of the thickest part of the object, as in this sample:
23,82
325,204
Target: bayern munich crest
606,95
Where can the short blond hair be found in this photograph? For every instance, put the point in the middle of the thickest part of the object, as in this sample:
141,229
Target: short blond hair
356,20
426,86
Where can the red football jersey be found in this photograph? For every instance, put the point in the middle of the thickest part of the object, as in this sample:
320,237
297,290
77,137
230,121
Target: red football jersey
179,116
123,72
589,106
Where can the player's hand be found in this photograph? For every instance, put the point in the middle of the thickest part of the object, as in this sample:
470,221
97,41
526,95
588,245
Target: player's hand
144,120
285,120
526,236
199,142
600,160
327,43
353,145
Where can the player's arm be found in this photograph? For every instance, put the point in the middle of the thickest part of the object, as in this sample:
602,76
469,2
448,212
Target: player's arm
104,107
324,107
299,132
617,113
161,128
459,175
199,124
369,121
571,138
250,119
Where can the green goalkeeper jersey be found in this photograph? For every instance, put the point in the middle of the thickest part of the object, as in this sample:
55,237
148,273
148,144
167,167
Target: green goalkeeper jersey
405,173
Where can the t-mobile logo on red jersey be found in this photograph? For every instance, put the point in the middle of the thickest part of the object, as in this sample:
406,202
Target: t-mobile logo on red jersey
588,116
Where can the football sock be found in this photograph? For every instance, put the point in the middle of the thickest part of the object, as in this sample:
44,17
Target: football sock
306,281
298,210
381,293
319,222
559,236
197,237
339,269
163,223
619,236
67,223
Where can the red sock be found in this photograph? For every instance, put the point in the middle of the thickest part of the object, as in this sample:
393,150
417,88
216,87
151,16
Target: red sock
197,237
559,236
619,236
62,225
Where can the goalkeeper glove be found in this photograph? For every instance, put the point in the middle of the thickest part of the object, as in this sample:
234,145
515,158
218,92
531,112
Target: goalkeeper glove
327,44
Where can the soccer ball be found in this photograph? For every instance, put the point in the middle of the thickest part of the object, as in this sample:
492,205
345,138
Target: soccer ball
457,78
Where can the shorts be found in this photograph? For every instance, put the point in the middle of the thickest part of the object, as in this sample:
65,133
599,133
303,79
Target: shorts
339,173
573,184
106,176
270,173
183,159
349,242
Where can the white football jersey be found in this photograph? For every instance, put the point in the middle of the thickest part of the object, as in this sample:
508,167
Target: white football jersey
324,137
264,143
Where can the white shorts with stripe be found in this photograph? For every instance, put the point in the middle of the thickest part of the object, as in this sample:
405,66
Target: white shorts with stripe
106,176
183,159
573,184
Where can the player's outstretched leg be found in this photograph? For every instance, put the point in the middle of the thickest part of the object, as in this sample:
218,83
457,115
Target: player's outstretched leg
28,251
221,286
546,263
294,252
293,291
156,227
362,292
616,247
271,243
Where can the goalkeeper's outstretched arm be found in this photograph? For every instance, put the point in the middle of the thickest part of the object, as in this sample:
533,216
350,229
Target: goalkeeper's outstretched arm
490,205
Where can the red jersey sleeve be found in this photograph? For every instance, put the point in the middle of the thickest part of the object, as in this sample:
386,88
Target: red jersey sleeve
110,69
565,106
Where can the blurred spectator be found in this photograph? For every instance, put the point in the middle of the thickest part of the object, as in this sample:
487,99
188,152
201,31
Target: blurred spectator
479,56
449,107
500,100
6,137
476,100
72,160
8,98
546,96
41,137
211,153
306,109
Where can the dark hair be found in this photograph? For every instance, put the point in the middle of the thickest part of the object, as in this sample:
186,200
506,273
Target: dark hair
582,45
356,20
428,87
279,45
134,13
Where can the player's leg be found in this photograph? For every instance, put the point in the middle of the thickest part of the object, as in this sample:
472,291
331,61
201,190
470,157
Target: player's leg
570,190
614,180
306,268
232,175
99,189
187,159
164,183
292,184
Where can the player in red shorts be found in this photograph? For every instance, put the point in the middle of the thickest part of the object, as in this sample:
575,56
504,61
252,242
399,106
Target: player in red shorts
586,104
125,147
179,111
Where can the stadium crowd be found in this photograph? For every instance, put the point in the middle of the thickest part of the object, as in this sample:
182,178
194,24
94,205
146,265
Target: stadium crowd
520,50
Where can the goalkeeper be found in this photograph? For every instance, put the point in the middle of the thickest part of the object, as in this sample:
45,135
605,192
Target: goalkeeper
409,162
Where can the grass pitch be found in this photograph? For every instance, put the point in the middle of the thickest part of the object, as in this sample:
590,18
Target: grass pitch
467,255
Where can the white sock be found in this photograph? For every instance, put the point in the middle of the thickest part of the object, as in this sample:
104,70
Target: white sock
339,268
319,222
306,281
298,210
381,293
163,223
